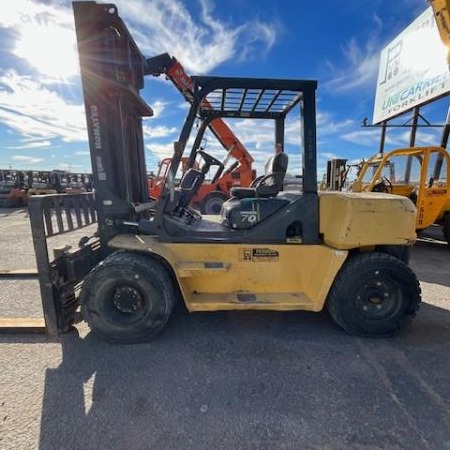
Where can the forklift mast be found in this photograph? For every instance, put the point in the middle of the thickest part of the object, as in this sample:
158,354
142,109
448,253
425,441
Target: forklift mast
174,71
112,73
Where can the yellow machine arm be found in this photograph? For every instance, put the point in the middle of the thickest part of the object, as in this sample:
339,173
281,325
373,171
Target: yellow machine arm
441,9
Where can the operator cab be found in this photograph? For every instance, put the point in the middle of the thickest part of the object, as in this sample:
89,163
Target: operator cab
262,210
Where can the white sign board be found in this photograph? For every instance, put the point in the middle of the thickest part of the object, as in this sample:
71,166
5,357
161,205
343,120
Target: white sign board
413,69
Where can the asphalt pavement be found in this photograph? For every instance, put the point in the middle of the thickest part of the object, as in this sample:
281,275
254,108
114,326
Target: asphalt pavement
229,380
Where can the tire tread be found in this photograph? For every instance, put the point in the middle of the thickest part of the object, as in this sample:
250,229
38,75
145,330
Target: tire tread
153,269
352,266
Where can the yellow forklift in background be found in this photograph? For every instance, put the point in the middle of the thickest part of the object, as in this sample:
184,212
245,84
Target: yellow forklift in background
419,173
441,11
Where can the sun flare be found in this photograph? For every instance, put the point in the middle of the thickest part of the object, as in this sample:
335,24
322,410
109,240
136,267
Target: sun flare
51,50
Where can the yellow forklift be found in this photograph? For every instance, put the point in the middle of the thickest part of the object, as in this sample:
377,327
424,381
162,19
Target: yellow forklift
419,173
268,249
441,11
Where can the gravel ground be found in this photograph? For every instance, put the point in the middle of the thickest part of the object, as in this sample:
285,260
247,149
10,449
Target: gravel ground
227,380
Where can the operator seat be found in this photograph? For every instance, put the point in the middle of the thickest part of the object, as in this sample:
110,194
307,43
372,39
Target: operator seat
189,186
270,183
185,192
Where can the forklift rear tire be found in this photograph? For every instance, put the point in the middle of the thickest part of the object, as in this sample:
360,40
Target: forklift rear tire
446,227
374,295
212,203
127,298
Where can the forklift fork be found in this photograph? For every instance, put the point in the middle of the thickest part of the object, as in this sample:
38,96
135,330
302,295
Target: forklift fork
59,279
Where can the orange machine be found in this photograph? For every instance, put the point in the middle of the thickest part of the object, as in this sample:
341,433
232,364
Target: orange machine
239,173
156,184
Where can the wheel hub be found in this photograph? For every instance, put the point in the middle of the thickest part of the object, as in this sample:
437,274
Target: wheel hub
127,299
377,299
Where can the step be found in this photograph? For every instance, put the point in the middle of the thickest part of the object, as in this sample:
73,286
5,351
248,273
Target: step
193,269
274,301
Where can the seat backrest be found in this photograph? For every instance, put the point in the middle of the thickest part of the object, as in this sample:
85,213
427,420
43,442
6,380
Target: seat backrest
267,185
272,182
190,184
277,166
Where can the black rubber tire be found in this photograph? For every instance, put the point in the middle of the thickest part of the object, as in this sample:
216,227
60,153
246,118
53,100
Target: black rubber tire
150,290
212,203
374,295
446,227
401,252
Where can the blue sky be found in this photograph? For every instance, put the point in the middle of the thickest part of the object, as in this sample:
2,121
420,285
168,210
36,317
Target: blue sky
42,124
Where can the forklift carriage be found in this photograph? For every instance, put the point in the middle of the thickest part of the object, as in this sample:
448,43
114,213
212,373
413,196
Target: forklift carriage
268,250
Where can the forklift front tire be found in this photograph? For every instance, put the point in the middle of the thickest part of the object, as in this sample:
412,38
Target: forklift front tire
127,298
374,295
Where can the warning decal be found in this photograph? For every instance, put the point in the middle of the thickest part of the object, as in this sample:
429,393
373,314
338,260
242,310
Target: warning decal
258,254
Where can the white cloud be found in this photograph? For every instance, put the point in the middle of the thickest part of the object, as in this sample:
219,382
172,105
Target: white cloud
185,106
395,138
361,68
429,137
254,133
200,44
24,11
361,56
158,108
27,159
371,138
366,137
160,151
29,145
37,112
327,126
158,131
44,36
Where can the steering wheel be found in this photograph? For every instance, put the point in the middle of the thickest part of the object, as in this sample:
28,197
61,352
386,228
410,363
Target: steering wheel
383,185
